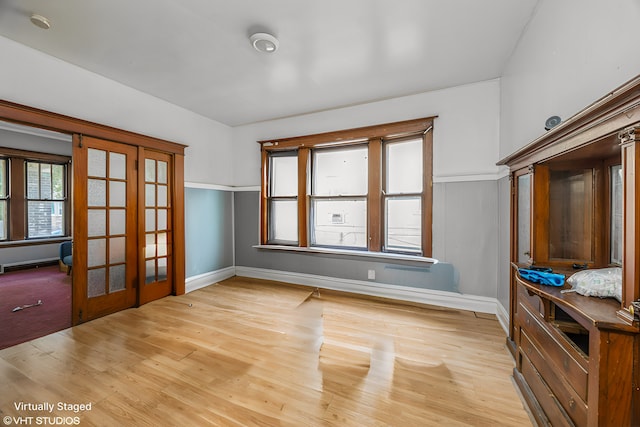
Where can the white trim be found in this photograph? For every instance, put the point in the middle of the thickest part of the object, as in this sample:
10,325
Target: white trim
208,186
248,188
205,186
503,317
404,293
492,176
202,280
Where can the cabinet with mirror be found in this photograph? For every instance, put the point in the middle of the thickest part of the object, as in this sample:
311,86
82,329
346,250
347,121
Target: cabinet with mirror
575,207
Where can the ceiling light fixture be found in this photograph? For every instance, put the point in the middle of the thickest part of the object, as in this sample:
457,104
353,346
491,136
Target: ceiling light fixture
40,21
265,43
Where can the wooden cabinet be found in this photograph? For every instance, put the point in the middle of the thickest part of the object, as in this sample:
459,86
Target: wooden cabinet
575,204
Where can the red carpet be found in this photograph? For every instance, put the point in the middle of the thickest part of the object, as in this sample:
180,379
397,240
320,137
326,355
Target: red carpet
19,288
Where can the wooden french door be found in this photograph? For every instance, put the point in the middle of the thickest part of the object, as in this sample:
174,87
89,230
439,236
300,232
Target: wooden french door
157,233
105,229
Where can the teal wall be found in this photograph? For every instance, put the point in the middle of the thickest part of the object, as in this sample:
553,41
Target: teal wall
208,230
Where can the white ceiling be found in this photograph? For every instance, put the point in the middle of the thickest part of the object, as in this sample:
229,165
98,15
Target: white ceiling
333,53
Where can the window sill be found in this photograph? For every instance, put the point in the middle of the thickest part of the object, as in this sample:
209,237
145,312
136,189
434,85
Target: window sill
33,242
352,253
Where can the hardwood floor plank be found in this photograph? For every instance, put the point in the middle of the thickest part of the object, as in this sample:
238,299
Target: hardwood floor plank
248,352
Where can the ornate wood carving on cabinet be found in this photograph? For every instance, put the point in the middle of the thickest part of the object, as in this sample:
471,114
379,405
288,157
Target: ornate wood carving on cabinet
575,204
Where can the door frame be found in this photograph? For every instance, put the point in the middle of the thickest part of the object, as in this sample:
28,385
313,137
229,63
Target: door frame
29,116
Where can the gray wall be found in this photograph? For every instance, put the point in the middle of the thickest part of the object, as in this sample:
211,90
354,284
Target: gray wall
504,257
442,276
465,229
208,230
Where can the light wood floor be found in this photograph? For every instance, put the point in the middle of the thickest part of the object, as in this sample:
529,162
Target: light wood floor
247,352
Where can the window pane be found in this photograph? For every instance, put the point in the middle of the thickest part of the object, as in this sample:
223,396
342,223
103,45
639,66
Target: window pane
341,223
45,181
117,221
162,244
616,215
162,195
149,170
283,220
404,166
33,180
117,166
96,282
150,246
96,222
162,219
150,220
117,250
97,163
117,278
284,176
96,252
117,194
150,271
150,195
162,172
3,219
3,178
45,219
57,181
3,203
403,231
340,172
97,192
162,269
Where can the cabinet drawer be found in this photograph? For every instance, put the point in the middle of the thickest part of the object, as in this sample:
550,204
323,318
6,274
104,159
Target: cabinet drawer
533,300
544,396
565,395
554,351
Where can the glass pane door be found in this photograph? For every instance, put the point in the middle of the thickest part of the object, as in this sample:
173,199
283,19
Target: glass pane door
157,227
105,230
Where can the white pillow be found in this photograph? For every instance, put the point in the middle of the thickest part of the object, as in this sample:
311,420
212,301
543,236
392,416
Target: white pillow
601,282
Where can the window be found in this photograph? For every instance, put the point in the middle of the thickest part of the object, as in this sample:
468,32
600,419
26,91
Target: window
33,195
46,190
403,195
339,197
363,189
4,197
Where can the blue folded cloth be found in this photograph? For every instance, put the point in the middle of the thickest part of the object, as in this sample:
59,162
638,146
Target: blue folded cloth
542,277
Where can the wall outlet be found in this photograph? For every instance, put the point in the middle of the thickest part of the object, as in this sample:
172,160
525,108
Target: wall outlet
371,274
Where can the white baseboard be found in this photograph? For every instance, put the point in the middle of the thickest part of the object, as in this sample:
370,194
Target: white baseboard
201,280
503,317
404,293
